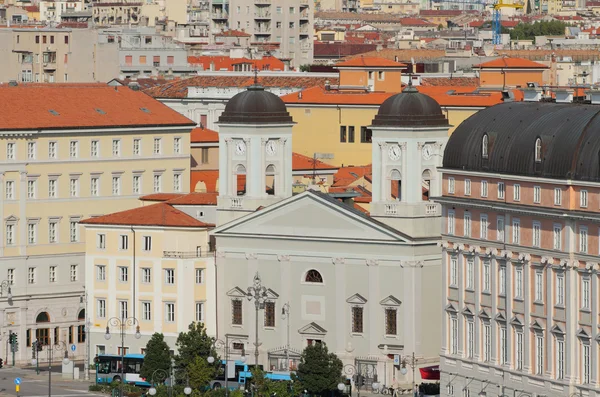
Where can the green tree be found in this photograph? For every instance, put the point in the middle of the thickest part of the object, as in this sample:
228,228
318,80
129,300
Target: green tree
157,357
194,343
319,371
200,373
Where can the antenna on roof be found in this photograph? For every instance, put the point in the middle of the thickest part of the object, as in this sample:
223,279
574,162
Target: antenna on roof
255,71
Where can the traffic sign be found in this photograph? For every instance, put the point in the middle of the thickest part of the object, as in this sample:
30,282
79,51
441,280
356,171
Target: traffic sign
17,381
73,347
396,359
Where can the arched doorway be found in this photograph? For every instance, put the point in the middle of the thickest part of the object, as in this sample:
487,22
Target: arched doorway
395,185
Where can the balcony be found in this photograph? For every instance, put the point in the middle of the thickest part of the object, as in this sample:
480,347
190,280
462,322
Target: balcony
305,46
262,30
262,15
49,65
304,30
304,15
262,1
220,15
188,254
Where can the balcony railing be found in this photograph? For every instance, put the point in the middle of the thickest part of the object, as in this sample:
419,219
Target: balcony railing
391,209
431,209
262,15
187,254
236,202
219,15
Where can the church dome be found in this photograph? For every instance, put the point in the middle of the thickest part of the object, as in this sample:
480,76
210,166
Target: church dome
255,106
410,108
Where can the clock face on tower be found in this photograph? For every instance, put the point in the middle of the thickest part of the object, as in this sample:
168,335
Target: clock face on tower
240,147
394,152
271,147
427,152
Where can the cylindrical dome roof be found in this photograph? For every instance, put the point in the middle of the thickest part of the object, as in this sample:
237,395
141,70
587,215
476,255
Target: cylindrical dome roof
410,108
255,106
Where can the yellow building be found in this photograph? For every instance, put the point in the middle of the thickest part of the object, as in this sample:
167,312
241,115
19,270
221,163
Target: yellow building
70,152
153,263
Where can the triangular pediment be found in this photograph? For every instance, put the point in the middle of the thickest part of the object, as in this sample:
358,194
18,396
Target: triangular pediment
483,314
557,330
313,329
467,311
390,301
357,299
11,218
450,308
236,292
516,321
538,325
500,317
314,216
272,294
582,334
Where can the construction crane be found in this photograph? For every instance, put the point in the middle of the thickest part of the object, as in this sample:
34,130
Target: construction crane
497,26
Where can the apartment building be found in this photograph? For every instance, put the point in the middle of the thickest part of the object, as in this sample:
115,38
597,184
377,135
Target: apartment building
67,153
52,55
52,10
289,23
520,247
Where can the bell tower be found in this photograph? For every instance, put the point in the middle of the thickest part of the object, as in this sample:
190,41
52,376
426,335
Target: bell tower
409,135
255,153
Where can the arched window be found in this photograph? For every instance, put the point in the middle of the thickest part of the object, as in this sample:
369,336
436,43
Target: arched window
485,141
313,276
81,315
538,150
240,180
425,185
43,317
396,185
270,179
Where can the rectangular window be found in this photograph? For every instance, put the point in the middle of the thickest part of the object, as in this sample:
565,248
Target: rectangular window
101,308
31,150
73,273
453,335
31,233
95,148
31,275
52,232
451,222
351,134
101,272
146,311
204,155
146,275
200,311
10,276
52,274
539,355
585,293
73,232
357,319
539,287
467,187
199,276
583,239
52,188
123,274
557,237
560,289
94,186
483,227
366,135
537,194
583,199
170,276
170,312
10,190
147,243
503,346
137,185
470,274
157,183
123,309
10,234
116,147
137,147
470,338
269,314
486,276
74,187
52,150
451,185
177,145
484,189
157,146
557,196
73,149
101,241
502,280
236,312
560,359
517,192
391,319
116,185
454,271
467,224
519,351
537,232
500,228
586,363
343,137
501,190
519,283
177,182
10,151
123,242
31,188
516,231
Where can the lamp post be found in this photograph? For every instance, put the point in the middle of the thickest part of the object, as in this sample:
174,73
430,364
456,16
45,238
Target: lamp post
285,314
122,323
351,370
413,364
5,285
35,355
219,344
83,301
58,346
161,373
259,294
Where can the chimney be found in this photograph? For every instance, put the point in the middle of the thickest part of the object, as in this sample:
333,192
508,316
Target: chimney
212,66
299,94
327,85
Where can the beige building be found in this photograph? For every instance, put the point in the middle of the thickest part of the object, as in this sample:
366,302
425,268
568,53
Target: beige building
52,10
56,56
70,152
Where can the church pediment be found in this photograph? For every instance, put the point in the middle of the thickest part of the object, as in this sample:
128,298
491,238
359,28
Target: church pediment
314,216
313,329
11,218
272,294
236,292
390,301
357,299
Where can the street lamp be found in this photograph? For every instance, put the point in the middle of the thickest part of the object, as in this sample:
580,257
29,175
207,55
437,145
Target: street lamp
58,346
219,344
351,370
83,302
122,323
259,294
5,285
285,315
413,365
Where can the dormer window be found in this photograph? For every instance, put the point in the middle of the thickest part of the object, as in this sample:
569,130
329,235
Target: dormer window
538,150
484,146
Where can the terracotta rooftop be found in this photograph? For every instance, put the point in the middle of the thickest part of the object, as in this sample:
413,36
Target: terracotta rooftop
144,83
341,49
301,162
195,199
507,62
32,8
233,33
415,22
160,196
60,106
209,177
160,214
227,63
450,81
204,135
369,62
179,88
406,55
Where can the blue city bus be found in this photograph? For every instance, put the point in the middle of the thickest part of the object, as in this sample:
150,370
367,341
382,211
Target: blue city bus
241,374
109,369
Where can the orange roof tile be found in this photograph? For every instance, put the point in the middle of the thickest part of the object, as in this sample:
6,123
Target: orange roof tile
507,62
204,135
232,33
160,196
195,198
209,177
60,106
361,209
301,162
346,175
369,62
160,214
415,22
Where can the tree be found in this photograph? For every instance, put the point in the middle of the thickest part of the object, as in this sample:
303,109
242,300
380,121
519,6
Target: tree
192,344
157,357
200,373
319,371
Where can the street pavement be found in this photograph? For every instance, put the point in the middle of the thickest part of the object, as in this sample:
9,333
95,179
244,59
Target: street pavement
33,385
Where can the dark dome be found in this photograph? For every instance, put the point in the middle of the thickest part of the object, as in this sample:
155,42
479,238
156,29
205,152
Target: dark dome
410,108
568,133
255,105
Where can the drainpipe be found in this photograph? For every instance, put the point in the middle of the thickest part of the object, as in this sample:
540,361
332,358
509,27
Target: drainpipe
133,269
